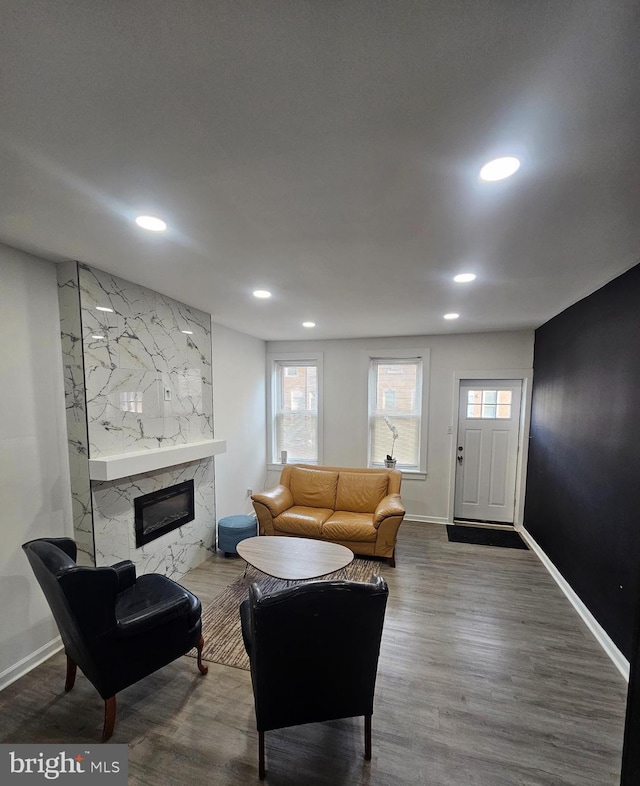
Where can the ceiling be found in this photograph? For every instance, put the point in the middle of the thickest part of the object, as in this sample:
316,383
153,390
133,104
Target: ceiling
328,150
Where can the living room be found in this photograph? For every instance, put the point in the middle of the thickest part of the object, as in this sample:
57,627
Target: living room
575,494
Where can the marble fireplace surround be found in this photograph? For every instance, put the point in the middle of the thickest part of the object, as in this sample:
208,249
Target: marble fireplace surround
139,402
172,554
113,497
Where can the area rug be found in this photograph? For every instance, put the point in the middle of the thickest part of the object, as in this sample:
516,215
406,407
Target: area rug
221,618
485,536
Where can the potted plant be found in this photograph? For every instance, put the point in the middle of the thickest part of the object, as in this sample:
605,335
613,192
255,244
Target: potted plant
390,461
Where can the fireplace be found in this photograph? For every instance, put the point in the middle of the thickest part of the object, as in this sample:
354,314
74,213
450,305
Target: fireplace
162,511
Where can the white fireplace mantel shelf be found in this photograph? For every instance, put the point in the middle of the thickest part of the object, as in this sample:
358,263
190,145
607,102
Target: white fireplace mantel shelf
122,465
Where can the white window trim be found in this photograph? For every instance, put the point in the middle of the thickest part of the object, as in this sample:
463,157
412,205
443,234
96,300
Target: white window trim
293,358
401,354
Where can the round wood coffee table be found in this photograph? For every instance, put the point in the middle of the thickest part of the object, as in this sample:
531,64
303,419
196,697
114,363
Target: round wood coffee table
293,559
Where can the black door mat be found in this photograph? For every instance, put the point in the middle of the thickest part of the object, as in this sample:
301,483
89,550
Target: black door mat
485,536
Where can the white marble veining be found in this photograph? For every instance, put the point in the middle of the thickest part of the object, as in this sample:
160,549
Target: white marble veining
135,382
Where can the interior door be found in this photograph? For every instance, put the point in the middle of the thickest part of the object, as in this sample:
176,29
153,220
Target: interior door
487,450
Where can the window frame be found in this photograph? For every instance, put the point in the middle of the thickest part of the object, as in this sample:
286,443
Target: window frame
280,360
401,355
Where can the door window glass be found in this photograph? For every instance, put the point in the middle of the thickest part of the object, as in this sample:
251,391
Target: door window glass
489,404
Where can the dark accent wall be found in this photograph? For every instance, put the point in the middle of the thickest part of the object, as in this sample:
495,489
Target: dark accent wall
582,501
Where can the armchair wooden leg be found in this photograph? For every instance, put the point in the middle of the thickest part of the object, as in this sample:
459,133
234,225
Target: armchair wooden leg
367,737
71,674
261,769
204,669
109,718
392,559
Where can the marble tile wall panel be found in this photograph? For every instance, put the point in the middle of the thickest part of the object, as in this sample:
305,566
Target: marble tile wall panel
148,384
134,380
76,412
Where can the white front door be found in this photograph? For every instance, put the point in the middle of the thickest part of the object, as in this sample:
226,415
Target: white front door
487,449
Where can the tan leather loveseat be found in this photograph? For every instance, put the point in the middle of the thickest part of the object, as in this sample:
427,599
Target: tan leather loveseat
358,508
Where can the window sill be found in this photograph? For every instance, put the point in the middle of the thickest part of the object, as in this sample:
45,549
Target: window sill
406,474
278,466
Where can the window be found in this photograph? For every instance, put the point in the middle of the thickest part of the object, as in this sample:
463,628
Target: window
396,404
294,408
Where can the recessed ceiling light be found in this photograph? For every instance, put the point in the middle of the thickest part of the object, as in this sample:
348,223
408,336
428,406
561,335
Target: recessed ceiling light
462,278
104,308
308,324
263,293
188,332
453,315
151,223
97,336
500,168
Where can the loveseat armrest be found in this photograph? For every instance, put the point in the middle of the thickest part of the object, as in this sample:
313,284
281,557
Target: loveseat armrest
269,505
391,505
277,500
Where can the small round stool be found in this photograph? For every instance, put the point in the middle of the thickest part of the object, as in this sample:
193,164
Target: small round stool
233,529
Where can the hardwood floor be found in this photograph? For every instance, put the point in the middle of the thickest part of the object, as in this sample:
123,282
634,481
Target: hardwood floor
487,677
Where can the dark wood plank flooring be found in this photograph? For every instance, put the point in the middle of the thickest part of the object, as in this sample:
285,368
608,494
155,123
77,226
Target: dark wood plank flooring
487,677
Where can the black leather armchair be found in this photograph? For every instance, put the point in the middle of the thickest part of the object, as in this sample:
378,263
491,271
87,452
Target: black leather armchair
117,628
314,652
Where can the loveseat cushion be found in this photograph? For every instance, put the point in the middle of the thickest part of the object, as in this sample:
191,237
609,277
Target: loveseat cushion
360,492
301,520
314,488
346,526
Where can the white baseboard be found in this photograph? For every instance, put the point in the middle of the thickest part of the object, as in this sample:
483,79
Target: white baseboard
602,637
427,519
25,665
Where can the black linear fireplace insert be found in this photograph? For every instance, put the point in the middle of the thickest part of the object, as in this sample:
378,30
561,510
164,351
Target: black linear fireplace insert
162,511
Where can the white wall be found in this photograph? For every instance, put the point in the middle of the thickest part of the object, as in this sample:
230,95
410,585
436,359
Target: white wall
35,493
345,401
238,417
